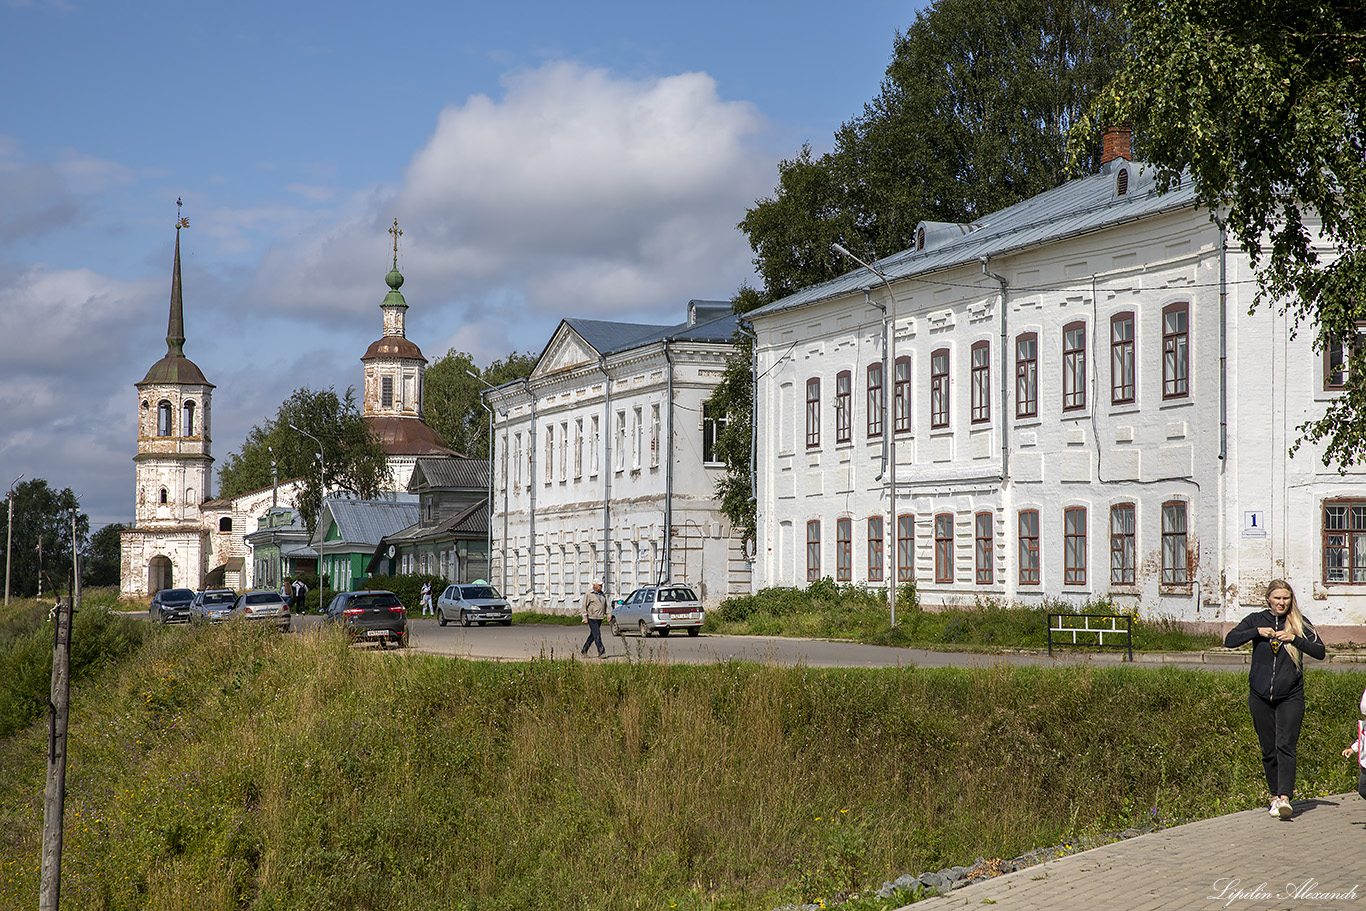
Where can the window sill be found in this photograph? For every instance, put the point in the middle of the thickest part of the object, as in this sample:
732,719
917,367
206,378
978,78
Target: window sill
1186,589
1124,408
1171,404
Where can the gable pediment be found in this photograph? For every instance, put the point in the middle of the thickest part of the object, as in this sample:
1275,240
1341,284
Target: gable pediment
567,350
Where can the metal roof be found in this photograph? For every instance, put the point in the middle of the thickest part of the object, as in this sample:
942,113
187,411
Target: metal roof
1075,208
365,522
453,472
610,338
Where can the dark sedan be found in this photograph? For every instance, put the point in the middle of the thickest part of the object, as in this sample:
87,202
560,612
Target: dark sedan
373,616
172,605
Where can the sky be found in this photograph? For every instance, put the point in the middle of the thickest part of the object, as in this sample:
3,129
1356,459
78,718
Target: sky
543,160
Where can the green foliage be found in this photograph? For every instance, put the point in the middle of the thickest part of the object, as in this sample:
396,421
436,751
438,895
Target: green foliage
1264,108
98,639
453,406
408,588
43,515
733,397
832,611
101,561
233,767
353,461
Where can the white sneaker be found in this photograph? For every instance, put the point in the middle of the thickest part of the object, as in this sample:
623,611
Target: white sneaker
1275,807
1284,810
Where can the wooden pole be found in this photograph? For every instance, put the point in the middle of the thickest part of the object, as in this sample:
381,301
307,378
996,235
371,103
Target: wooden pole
50,886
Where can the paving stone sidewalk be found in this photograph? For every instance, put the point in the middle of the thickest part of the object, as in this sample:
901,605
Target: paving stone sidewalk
1249,860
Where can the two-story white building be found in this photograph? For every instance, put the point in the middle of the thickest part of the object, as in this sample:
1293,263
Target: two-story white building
604,466
1081,407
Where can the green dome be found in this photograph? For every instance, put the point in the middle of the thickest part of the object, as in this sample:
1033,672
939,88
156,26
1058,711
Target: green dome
394,279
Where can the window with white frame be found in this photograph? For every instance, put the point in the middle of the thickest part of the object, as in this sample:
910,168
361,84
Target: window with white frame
655,430
517,461
549,453
594,446
1175,559
1123,545
1074,366
564,450
578,448
637,438
713,425
621,441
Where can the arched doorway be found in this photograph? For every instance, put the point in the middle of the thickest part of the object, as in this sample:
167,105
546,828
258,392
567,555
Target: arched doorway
159,574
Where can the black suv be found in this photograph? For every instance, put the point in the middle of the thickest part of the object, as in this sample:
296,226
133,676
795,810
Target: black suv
172,605
375,616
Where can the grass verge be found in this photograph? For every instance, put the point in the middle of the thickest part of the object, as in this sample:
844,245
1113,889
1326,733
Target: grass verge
829,611
232,768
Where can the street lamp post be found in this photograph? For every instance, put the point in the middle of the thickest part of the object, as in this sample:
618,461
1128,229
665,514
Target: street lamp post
9,536
322,494
888,427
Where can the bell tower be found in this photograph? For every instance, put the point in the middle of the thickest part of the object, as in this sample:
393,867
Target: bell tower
167,546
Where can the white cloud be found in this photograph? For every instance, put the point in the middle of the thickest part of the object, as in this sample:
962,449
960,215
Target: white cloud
577,192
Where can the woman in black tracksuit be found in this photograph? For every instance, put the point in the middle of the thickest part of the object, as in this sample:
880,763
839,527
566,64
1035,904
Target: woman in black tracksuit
1280,637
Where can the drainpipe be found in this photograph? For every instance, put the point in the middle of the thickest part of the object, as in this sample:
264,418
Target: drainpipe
488,554
1005,379
868,300
606,472
669,471
1223,335
531,468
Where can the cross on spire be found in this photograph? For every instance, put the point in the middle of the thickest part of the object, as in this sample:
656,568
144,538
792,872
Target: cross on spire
397,232
180,222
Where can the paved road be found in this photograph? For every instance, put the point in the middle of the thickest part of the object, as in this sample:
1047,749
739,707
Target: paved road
522,642
1247,860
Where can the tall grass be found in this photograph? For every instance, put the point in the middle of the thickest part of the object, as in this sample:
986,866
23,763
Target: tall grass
233,768
827,610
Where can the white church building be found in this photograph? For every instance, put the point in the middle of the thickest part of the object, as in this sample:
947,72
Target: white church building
1081,408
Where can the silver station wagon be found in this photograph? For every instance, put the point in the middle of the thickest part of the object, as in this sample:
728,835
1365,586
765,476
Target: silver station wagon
659,609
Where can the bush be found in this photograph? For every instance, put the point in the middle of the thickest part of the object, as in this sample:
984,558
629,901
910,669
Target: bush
408,588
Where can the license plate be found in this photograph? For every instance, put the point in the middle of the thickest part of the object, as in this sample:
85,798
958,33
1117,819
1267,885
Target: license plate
378,634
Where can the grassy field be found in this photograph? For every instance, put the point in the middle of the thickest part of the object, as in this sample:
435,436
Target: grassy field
234,768
829,611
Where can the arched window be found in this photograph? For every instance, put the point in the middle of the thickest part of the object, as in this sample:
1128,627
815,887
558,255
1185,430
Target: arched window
187,419
163,418
165,497
225,523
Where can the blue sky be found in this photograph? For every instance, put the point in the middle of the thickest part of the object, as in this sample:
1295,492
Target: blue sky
544,160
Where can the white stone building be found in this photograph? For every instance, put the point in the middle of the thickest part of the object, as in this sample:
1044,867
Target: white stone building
604,468
1082,409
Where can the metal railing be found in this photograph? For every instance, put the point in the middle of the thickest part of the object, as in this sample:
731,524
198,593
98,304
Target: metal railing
1089,626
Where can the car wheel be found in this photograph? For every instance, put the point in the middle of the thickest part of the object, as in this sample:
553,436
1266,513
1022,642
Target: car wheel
440,618
644,630
383,644
403,640
616,630
664,632
507,622
464,620
694,630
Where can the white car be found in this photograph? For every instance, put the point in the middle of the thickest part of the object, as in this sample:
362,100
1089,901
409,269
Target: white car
263,606
659,609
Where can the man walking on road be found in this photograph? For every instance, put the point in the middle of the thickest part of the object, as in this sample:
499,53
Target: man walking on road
594,612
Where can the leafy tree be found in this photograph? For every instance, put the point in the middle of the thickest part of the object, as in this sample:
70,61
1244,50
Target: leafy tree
972,116
102,558
452,405
353,460
43,516
1263,105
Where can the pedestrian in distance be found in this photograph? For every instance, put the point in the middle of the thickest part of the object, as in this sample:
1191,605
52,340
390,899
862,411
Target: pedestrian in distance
594,612
427,599
297,604
1358,746
1280,637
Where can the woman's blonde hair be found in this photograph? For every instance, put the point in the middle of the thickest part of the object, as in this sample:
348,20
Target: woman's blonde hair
1294,620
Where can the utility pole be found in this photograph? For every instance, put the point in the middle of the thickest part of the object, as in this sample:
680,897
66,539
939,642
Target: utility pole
50,886
40,567
9,537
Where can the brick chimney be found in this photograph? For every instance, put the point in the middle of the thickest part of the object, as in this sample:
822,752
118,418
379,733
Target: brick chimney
1115,143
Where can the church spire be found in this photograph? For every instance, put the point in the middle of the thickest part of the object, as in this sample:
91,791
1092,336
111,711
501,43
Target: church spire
175,324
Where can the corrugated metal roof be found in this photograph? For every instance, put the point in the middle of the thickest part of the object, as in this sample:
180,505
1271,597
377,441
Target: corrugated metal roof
1077,207
365,522
612,338
450,473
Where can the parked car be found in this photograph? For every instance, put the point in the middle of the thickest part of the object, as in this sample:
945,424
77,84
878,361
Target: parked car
212,605
262,606
659,609
375,616
474,603
172,605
